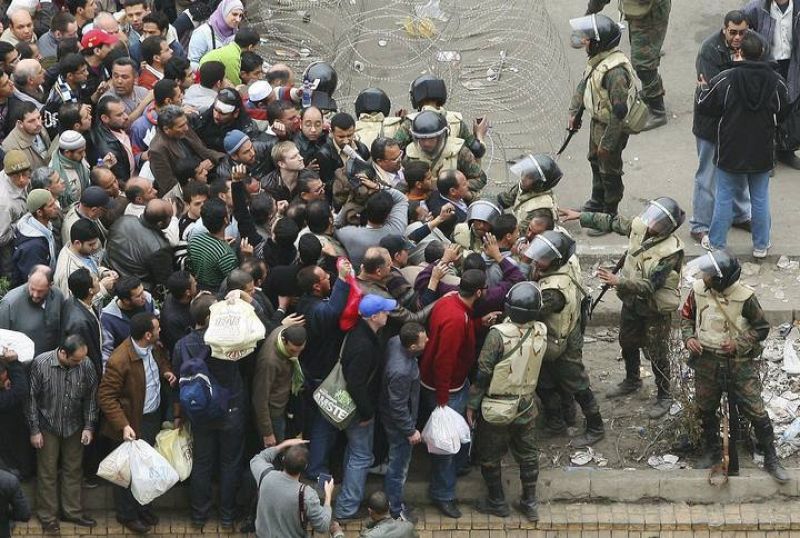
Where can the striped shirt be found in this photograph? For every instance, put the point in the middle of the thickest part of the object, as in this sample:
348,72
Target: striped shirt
210,260
62,400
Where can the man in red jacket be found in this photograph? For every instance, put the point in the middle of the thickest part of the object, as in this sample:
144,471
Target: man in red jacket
445,365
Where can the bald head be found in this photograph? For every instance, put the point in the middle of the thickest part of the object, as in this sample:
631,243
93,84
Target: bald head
39,280
140,190
280,75
375,259
158,213
105,21
21,25
28,74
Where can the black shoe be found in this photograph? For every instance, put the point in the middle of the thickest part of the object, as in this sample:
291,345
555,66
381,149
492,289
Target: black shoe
226,526
360,514
82,521
657,118
248,526
789,159
529,509
136,526
492,507
148,517
627,386
592,206
51,528
464,471
660,408
448,509
773,466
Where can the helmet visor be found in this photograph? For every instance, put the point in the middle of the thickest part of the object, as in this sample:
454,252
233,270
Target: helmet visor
705,264
542,251
527,167
585,27
658,219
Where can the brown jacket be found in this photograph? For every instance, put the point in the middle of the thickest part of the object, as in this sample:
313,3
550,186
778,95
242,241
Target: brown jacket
122,390
272,383
166,152
19,139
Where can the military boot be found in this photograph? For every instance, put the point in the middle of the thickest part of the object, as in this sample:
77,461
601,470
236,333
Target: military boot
661,406
712,453
595,203
595,431
766,441
628,385
658,114
552,412
495,503
527,505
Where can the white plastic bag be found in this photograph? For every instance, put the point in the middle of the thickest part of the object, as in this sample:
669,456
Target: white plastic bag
445,431
233,329
176,447
116,467
151,474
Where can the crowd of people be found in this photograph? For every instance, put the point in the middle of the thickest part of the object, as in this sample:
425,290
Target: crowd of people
153,167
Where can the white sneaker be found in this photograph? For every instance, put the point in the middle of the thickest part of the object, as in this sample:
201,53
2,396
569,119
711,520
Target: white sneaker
705,243
760,253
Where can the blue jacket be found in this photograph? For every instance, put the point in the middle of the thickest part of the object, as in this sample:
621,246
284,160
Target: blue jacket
324,338
31,247
116,325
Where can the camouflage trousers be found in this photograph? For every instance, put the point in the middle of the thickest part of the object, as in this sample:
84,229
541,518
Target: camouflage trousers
651,335
711,375
492,442
566,373
647,37
612,164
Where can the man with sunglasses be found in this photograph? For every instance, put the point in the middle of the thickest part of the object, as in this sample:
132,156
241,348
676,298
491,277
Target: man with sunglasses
648,284
717,53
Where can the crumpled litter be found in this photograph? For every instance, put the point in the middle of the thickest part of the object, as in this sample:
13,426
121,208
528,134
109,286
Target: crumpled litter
791,362
582,457
785,264
667,462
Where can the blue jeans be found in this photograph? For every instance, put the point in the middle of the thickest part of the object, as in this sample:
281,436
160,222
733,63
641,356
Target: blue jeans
321,434
444,469
396,474
217,449
704,188
357,461
727,185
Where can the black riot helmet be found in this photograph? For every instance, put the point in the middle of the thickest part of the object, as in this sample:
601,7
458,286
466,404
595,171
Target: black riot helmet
722,268
428,124
483,210
662,216
550,250
537,173
427,88
601,31
324,79
373,100
523,302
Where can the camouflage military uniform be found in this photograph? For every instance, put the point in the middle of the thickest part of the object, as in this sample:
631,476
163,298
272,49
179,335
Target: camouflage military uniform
647,35
492,442
642,324
607,168
404,138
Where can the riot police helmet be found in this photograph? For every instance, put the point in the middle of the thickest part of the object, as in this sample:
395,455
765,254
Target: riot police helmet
602,32
373,100
550,250
720,269
428,124
427,88
662,216
537,173
483,210
323,76
523,302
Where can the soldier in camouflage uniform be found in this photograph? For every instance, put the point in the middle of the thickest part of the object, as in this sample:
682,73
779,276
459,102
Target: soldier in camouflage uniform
434,145
723,326
430,93
604,92
501,401
537,176
648,286
647,23
557,271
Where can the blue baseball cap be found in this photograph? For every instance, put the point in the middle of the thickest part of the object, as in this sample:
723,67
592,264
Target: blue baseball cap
374,304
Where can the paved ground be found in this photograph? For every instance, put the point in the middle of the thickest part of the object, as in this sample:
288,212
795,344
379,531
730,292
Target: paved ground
777,519
663,162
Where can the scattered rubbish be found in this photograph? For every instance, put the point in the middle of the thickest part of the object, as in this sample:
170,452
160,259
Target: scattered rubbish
473,85
304,53
382,42
422,28
431,10
675,409
780,295
493,73
589,340
785,264
667,462
446,56
582,457
791,432
358,66
791,362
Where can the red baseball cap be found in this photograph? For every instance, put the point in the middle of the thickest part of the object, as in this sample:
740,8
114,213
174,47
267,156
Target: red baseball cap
96,38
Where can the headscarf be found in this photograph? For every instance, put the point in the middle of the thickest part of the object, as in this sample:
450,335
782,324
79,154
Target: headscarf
217,19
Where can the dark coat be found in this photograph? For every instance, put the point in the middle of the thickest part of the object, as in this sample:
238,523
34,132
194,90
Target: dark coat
435,202
713,58
362,364
214,135
322,327
135,248
329,160
85,321
122,390
15,448
749,99
101,142
758,14
166,152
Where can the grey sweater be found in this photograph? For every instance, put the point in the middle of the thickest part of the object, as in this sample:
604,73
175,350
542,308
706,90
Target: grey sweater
278,513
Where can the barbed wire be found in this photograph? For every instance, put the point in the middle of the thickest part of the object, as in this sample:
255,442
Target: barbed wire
504,60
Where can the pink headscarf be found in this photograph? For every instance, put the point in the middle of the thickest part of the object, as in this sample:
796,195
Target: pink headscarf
217,19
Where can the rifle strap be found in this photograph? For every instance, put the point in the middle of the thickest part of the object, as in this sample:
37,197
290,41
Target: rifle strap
731,324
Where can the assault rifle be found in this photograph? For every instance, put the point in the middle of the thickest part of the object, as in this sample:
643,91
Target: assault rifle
606,287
